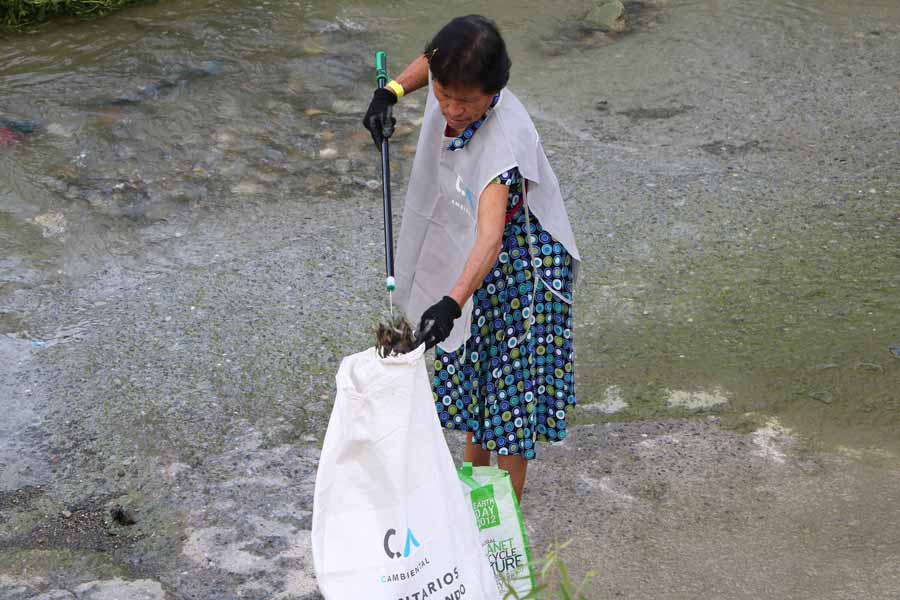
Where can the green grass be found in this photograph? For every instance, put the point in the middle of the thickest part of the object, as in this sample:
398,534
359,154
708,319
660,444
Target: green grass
553,580
17,14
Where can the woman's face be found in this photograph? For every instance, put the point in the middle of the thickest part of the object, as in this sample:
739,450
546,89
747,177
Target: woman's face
460,105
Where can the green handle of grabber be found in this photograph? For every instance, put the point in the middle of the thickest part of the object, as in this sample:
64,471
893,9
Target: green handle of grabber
380,68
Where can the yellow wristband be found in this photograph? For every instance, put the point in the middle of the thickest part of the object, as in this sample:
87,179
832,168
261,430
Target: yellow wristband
395,87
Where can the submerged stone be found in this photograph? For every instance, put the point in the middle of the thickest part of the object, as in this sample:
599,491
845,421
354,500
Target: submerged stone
696,401
53,224
824,397
346,107
247,188
116,589
612,403
54,595
607,15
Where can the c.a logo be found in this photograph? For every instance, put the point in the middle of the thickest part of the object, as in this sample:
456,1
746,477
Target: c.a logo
465,192
411,542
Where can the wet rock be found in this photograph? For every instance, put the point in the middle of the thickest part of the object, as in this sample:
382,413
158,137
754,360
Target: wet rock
223,138
118,589
607,15
552,47
826,366
54,595
125,153
640,114
824,397
10,590
895,350
360,137
696,401
53,224
322,26
123,516
612,402
156,89
402,131
295,83
247,188
351,25
719,148
311,50
60,130
273,154
185,192
173,471
346,107
769,441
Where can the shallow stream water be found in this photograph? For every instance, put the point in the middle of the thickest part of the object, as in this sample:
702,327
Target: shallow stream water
732,169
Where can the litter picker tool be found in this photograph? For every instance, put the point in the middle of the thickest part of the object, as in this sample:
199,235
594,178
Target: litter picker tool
394,337
390,283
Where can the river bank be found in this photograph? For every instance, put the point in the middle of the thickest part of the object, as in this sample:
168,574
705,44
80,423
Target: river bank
18,14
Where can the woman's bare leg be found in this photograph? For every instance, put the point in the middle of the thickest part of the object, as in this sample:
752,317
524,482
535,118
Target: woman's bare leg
516,466
475,454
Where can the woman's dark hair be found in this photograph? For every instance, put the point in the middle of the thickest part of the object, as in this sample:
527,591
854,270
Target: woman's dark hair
469,51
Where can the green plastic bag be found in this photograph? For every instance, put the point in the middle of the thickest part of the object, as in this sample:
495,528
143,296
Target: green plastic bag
500,523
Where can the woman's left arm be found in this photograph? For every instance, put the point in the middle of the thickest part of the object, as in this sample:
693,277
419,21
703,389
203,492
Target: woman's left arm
437,321
488,242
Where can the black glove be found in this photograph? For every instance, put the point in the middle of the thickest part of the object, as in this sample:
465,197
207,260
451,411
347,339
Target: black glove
437,322
379,119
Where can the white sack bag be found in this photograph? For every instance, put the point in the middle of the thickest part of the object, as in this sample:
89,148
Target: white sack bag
389,519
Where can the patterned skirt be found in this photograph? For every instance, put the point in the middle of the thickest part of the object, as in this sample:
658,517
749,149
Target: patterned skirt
514,379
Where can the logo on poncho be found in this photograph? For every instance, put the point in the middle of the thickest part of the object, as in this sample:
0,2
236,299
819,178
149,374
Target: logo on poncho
411,542
469,207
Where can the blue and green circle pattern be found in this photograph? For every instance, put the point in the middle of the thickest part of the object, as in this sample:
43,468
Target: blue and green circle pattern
514,379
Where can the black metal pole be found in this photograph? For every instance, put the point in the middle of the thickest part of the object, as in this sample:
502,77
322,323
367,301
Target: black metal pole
388,225
381,81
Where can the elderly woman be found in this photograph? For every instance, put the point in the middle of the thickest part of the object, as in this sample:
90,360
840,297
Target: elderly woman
486,253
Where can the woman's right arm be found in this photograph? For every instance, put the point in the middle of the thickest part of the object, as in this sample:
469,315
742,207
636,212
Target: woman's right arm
414,76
